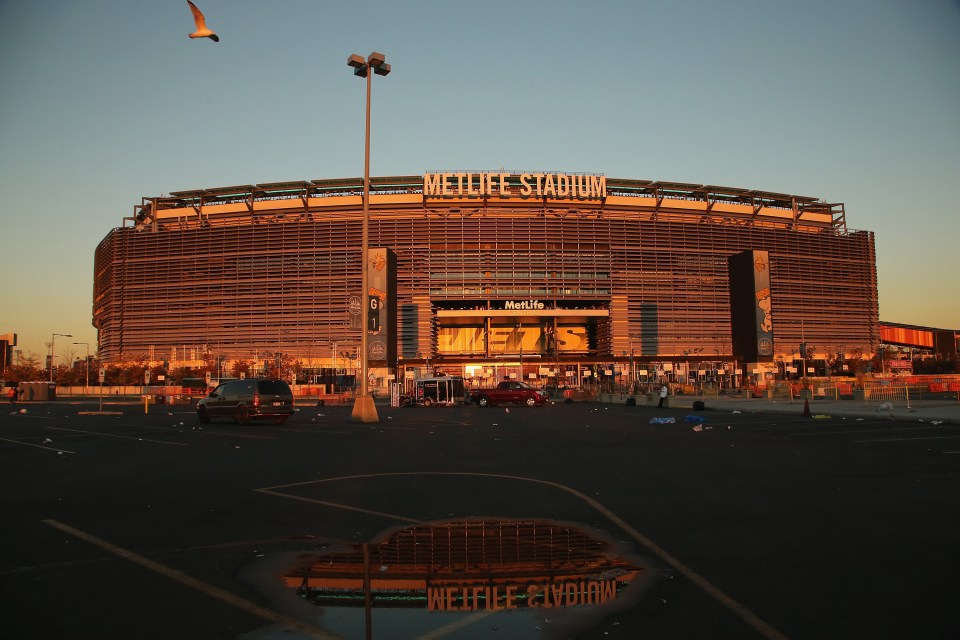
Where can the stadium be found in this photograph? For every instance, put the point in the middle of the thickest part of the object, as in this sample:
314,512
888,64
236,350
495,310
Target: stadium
550,277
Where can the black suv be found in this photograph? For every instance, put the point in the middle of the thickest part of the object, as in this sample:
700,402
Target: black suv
246,400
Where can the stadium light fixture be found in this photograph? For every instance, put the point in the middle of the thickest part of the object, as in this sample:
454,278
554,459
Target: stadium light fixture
53,338
364,409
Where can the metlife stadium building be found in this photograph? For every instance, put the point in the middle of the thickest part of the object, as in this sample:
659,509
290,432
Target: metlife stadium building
544,276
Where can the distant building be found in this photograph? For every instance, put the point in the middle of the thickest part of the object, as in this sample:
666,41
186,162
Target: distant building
533,275
7,342
920,341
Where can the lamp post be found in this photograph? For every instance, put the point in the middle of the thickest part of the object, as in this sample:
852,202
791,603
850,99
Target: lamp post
520,341
86,367
279,353
334,360
53,337
803,348
364,409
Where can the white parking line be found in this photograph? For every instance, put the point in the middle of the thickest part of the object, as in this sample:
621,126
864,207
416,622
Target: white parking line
38,446
193,583
907,439
114,435
874,430
178,429
446,630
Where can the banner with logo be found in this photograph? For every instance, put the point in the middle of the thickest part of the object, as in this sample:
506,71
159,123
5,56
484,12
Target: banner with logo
381,298
751,306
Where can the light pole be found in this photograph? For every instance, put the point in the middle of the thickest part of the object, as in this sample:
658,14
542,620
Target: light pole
520,341
52,352
334,361
279,352
364,410
86,367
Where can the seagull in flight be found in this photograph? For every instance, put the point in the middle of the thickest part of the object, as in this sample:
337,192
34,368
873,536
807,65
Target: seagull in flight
202,31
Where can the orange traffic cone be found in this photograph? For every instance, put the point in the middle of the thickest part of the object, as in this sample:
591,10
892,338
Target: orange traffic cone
806,408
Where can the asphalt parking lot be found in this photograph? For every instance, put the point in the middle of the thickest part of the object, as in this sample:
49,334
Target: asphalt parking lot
755,526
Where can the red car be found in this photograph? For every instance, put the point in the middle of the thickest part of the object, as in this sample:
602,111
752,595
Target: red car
511,392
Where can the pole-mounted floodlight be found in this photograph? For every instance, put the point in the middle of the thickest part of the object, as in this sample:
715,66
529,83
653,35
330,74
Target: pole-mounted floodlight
375,60
364,409
359,65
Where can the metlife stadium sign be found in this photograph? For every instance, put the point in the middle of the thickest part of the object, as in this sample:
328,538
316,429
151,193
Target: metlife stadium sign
482,184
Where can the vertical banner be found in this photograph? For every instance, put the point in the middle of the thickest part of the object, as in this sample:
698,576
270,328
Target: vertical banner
381,298
751,306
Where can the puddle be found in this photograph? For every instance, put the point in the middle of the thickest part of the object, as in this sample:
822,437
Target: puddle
465,579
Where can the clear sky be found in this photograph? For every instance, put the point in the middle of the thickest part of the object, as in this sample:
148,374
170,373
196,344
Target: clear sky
103,102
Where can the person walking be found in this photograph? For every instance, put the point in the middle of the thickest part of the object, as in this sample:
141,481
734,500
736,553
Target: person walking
663,396
12,394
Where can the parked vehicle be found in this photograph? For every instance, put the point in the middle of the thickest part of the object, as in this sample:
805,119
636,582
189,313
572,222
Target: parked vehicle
509,391
446,390
194,387
246,400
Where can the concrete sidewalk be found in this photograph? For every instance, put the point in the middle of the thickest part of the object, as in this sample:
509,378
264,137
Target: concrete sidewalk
945,411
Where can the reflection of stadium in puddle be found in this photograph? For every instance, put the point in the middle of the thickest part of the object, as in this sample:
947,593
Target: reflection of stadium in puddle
525,567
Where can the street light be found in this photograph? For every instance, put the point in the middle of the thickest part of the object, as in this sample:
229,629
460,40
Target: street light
334,360
86,365
52,352
364,410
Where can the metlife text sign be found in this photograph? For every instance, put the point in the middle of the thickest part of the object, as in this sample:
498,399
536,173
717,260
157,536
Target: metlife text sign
523,304
506,185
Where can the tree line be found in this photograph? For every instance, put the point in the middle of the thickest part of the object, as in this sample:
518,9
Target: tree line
29,368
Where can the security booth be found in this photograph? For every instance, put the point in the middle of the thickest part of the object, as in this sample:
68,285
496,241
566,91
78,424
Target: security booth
38,391
444,390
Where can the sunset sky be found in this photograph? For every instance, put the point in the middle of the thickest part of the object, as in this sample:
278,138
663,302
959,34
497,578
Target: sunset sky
104,102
